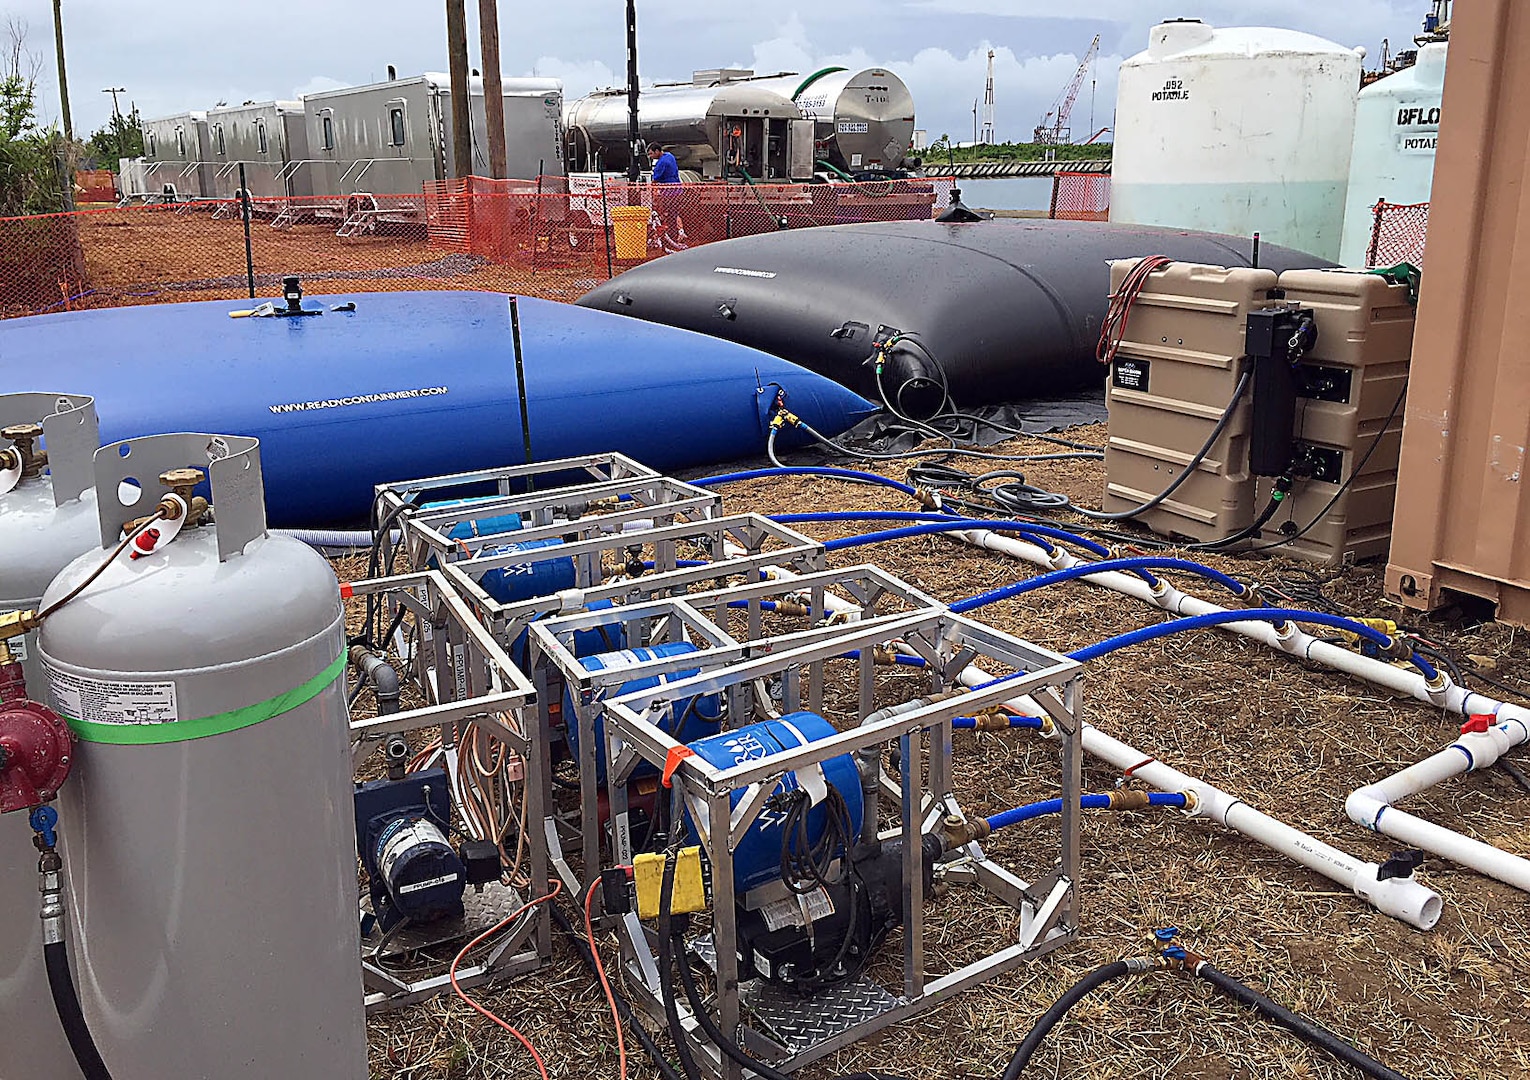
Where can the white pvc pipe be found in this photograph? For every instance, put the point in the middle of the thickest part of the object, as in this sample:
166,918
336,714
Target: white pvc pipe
1374,806
1401,898
1370,806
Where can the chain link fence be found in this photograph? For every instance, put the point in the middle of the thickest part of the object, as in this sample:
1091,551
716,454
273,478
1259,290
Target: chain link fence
1398,234
1080,197
555,237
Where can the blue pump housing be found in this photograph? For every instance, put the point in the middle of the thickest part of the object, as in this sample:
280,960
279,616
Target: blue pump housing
531,579
757,858
696,717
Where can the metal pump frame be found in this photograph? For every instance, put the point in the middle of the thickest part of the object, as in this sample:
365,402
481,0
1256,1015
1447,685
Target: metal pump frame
615,479
738,545
948,643
465,678
702,618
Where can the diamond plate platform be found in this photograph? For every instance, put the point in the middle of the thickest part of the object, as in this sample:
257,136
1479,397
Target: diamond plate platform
482,910
800,1023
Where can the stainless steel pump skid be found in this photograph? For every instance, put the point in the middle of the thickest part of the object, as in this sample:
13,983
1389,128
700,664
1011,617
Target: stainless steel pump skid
791,1030
538,494
464,679
721,548
727,626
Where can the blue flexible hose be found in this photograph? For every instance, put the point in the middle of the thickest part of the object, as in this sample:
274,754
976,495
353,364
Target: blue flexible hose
943,523
765,605
1222,618
1041,581
898,658
1016,720
806,470
1085,802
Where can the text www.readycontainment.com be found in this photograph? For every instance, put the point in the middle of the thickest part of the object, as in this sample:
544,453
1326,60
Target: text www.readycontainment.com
360,399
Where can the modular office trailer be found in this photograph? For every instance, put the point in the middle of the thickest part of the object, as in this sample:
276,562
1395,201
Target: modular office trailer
270,139
176,154
394,137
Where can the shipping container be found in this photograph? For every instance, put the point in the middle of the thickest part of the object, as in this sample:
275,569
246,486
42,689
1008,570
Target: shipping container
1463,516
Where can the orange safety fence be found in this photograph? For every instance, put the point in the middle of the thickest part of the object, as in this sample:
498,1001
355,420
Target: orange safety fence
556,238
1398,234
1080,196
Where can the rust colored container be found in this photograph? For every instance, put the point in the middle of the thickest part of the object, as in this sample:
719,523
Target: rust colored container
1463,512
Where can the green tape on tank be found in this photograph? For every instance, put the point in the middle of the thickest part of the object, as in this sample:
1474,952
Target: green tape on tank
207,726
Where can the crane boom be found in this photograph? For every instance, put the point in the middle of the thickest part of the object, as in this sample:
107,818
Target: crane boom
1053,129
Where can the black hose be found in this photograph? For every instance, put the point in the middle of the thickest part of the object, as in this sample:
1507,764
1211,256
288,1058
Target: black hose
623,1009
67,1002
715,1033
739,1055
1307,1030
1050,1019
1250,531
1190,467
667,937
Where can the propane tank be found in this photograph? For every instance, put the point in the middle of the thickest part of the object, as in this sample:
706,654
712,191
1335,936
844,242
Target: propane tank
207,833
47,517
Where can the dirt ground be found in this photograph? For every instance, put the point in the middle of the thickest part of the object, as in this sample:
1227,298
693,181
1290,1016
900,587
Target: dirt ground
159,254
1287,737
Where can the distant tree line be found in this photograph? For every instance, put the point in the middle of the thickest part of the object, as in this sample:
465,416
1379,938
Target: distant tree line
37,164
1098,151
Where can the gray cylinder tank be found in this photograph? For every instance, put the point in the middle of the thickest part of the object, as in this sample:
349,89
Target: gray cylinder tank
46,520
207,830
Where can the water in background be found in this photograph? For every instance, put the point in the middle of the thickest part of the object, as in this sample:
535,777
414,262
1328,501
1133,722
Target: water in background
1012,193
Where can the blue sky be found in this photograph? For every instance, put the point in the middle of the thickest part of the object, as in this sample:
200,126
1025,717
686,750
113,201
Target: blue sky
193,57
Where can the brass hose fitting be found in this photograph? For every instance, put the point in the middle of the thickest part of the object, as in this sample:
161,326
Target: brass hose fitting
957,831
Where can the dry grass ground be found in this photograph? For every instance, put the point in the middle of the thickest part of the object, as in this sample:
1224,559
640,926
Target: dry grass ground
1287,737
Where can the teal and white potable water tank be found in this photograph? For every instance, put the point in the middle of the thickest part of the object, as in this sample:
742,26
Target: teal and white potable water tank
1237,130
1397,125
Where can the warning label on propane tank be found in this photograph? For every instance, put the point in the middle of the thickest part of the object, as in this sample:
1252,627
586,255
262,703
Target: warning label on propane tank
99,701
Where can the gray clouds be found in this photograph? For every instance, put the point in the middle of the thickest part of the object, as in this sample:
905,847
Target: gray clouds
172,59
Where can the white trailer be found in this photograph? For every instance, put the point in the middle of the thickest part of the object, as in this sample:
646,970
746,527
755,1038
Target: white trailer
270,139
176,158
394,137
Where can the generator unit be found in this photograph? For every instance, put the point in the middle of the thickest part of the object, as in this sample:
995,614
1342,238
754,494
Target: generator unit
206,834
1307,453
47,517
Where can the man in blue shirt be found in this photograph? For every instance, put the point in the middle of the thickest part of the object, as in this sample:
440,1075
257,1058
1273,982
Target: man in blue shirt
666,196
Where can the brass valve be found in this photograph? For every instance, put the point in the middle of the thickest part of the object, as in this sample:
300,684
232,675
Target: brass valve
24,453
182,482
15,623
957,831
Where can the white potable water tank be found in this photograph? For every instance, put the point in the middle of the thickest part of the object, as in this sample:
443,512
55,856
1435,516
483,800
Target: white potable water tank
1397,124
1237,130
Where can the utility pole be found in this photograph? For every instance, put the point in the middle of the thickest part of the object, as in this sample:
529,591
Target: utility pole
63,79
117,117
462,115
974,122
493,90
634,143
